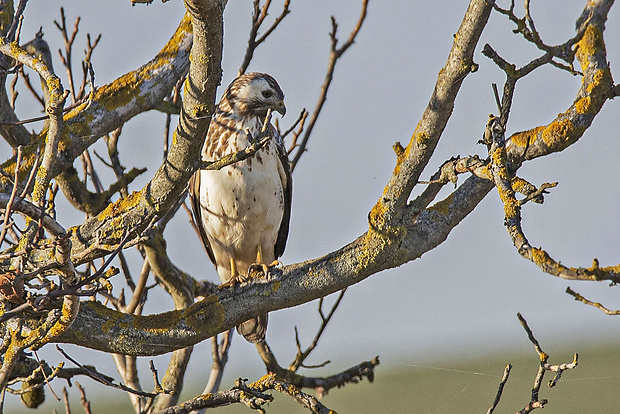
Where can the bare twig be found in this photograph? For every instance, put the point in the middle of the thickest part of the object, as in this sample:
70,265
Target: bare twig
83,399
219,353
104,379
535,402
68,39
258,17
500,389
87,67
597,305
302,355
13,29
7,210
321,385
138,291
335,53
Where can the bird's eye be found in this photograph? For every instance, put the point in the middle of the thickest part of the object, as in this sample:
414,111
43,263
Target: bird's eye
267,94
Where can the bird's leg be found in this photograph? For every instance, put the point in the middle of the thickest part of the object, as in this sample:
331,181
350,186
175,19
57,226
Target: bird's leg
235,276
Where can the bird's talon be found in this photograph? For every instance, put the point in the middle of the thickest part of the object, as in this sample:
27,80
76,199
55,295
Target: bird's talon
260,268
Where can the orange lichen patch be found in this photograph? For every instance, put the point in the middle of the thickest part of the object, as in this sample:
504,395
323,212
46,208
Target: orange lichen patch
539,256
377,214
518,184
70,309
420,137
582,106
591,43
120,92
498,157
172,47
124,204
53,84
525,138
399,151
39,191
511,206
561,133
542,259
201,110
601,78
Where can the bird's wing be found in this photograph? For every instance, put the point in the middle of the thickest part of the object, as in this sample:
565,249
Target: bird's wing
287,185
194,198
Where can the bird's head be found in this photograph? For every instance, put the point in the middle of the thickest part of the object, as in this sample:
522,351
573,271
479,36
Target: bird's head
253,94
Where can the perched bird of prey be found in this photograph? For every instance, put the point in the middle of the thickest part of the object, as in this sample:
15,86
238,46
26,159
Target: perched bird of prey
242,211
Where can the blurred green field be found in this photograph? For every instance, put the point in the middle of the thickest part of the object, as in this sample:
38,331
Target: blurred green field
465,386
471,386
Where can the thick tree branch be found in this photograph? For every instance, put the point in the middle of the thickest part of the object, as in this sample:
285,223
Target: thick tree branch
115,103
416,155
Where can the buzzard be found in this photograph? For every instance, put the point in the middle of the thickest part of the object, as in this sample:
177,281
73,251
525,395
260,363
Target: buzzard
242,211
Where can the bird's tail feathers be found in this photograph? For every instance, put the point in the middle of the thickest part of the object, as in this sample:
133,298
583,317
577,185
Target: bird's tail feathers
254,330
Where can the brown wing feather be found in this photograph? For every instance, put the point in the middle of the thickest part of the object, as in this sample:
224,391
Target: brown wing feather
287,185
194,198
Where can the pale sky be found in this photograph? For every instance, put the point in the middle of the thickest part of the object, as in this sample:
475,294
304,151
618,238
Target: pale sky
460,298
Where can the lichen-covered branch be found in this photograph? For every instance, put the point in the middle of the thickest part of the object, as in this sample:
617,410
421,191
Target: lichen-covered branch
321,385
410,163
182,158
512,211
596,88
241,393
115,103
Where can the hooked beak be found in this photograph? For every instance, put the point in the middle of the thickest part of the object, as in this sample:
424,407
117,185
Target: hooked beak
279,107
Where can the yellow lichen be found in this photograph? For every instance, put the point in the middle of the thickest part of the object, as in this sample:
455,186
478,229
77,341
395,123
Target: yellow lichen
561,132
511,206
598,78
201,110
377,214
421,137
525,138
541,257
518,184
591,43
582,106
122,205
